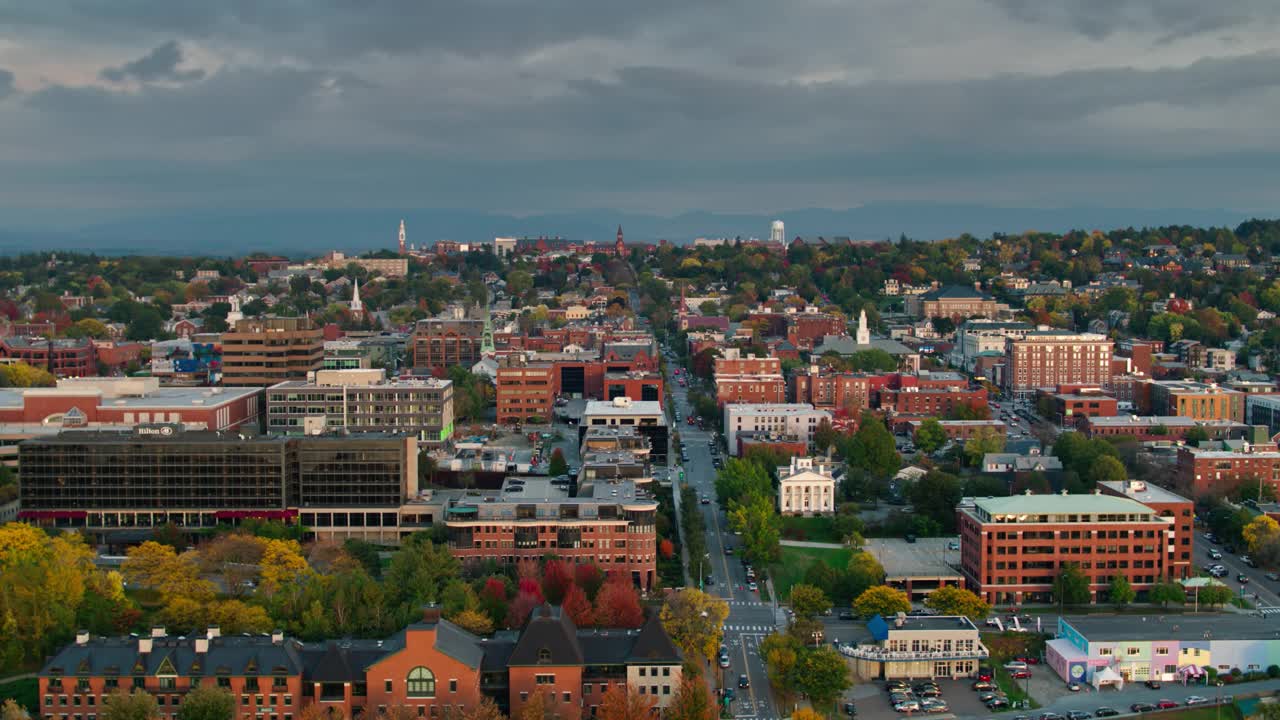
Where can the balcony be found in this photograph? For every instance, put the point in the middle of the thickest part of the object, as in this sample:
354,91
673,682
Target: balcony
881,654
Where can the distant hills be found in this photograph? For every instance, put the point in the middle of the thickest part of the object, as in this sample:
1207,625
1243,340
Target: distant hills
300,232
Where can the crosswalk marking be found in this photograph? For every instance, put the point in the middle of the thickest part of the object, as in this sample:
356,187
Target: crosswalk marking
1266,610
750,628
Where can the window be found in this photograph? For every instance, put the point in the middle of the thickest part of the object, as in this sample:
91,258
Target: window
544,655
453,685
421,683
387,686
544,679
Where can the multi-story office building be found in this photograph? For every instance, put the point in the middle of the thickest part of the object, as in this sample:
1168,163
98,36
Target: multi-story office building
615,439
1160,428
442,342
1014,547
748,379
646,417
1264,410
610,523
526,392
105,482
389,267
797,419
265,351
1187,398
432,668
362,401
929,401
847,393
1179,510
1049,358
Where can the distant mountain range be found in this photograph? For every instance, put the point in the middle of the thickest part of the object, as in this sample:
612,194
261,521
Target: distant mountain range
303,232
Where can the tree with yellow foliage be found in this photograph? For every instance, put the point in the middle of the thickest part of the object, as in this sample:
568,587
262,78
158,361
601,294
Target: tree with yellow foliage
160,567
42,585
806,714
881,600
282,564
622,703
694,620
1259,531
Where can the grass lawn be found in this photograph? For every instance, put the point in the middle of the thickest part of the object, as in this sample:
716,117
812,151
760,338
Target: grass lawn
1228,712
24,691
812,529
1015,689
796,561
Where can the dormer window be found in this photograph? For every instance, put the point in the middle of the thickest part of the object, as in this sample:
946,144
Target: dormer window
544,655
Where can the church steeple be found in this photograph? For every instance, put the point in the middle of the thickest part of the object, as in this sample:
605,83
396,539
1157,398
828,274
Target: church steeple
864,333
401,236
619,246
357,307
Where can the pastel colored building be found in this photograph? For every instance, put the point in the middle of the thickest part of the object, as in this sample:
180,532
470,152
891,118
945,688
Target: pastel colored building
1098,648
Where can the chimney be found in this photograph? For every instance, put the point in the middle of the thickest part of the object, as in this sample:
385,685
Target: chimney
144,645
214,631
157,631
202,645
277,637
82,637
431,614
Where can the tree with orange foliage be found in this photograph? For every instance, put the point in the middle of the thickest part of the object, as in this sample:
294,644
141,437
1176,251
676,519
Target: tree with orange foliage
620,703
578,606
618,605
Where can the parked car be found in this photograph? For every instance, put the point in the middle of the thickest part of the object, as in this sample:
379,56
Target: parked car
1165,704
1073,687
1105,712
907,706
1153,684
1078,715
1015,665
1272,576
846,615
999,703
983,685
988,696
1215,555
953,545
1020,674
1196,700
934,705
1142,707
984,672
1028,659
850,709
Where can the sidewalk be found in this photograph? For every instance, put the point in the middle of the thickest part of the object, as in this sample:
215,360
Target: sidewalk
804,543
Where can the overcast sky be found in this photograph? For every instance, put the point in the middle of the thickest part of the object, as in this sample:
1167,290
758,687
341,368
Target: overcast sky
653,106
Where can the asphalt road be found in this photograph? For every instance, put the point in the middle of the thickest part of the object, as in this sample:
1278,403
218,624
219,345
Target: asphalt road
750,618
1268,591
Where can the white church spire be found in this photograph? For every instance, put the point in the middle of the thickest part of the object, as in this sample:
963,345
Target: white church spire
864,333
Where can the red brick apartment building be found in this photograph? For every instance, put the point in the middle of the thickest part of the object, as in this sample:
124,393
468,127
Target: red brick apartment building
1220,472
1082,403
838,392
808,329
749,379
62,357
957,429
129,401
525,392
433,667
1156,428
1049,358
931,402
1014,547
610,523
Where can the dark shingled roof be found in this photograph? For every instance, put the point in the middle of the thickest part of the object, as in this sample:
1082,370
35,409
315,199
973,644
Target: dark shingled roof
549,629
653,643
235,655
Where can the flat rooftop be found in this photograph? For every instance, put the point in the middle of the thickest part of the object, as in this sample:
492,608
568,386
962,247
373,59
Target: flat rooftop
769,409
924,558
163,397
1154,420
605,408
1054,504
1143,492
1204,626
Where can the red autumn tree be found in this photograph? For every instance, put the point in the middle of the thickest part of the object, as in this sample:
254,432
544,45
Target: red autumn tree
618,605
521,607
589,578
529,586
578,606
666,549
556,579
619,703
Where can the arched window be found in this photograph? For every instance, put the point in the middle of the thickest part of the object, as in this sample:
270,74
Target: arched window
544,655
421,683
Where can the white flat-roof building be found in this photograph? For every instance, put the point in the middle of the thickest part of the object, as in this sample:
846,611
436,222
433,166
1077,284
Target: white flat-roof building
798,419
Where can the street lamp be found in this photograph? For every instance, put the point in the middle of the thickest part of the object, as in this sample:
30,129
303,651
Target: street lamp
1217,705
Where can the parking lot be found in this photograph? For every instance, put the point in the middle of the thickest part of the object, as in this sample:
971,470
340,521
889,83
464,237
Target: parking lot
873,702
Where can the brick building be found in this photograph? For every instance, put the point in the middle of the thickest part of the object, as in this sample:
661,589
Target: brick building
1219,472
843,393
1085,403
526,392
742,379
1159,428
1049,358
61,357
956,429
432,667
609,522
930,401
266,351
955,301
442,342
126,402
806,330
1012,548
1170,505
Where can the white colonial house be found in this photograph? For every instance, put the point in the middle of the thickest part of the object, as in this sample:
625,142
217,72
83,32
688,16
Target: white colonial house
805,488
